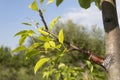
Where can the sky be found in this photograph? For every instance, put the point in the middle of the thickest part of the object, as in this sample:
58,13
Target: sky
14,12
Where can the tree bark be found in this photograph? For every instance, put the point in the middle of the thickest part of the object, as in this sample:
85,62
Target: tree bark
112,37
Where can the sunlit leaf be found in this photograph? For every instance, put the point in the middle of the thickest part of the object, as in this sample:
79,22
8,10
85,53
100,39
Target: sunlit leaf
33,46
31,53
44,38
58,76
50,1
58,2
25,32
46,74
91,69
22,39
20,33
30,32
20,48
46,45
84,3
41,1
42,32
28,24
58,46
53,22
52,44
40,63
34,6
88,63
61,36
61,65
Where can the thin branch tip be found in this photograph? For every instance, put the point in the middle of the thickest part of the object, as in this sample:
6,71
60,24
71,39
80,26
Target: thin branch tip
43,19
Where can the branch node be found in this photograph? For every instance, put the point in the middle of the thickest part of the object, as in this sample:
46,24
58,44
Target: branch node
107,61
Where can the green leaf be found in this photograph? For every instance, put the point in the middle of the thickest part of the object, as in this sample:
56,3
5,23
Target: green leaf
84,3
20,48
46,45
40,63
58,2
90,66
30,32
61,36
25,32
91,69
61,65
54,21
44,38
52,44
28,24
58,76
31,53
22,39
42,32
50,1
20,33
34,6
33,46
88,63
41,1
46,74
58,46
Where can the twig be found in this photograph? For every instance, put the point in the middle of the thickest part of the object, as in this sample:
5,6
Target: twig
43,20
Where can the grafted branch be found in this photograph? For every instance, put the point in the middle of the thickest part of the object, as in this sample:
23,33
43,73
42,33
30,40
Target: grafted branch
91,56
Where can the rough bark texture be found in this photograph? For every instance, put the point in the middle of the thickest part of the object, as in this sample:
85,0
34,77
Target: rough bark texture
112,37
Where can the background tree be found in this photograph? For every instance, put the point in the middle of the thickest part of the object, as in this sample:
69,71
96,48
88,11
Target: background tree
15,67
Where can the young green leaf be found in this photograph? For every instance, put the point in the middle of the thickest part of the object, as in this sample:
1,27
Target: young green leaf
58,2
33,46
90,66
54,21
20,48
50,1
28,24
52,44
41,1
25,32
31,53
61,65
84,3
58,46
30,32
61,36
91,69
88,63
21,33
40,63
42,32
44,38
46,45
22,39
34,6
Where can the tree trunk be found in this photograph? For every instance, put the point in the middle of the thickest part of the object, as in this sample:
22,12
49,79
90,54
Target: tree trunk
112,37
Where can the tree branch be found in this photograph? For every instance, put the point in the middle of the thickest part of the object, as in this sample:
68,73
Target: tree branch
43,20
91,56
